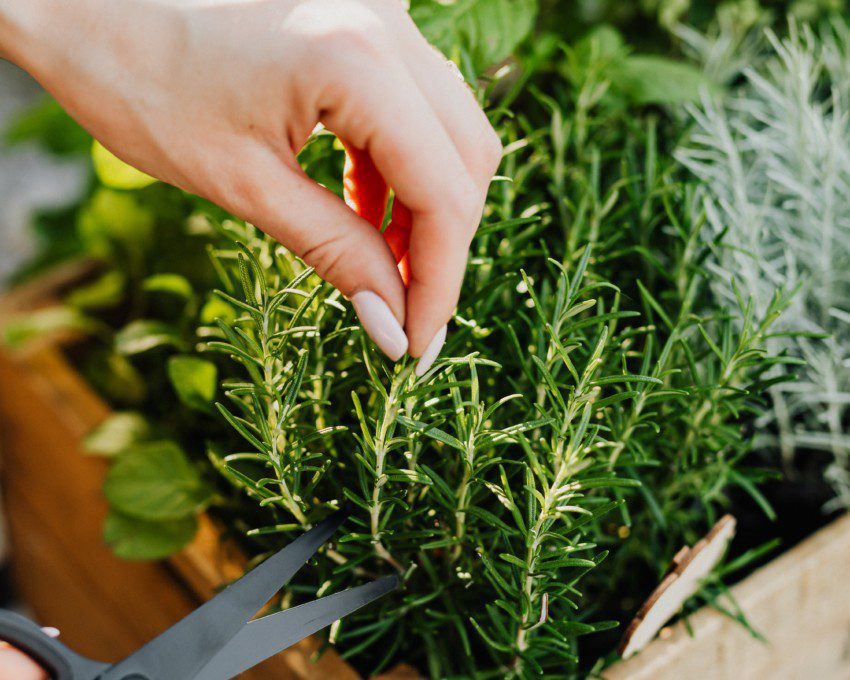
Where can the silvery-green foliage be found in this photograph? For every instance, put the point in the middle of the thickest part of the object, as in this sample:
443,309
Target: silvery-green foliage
774,160
730,45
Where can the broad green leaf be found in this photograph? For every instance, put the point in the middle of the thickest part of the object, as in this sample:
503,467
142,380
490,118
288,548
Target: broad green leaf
155,481
112,218
488,30
216,308
647,79
117,433
115,376
195,381
105,291
144,334
132,538
175,284
602,43
27,327
115,173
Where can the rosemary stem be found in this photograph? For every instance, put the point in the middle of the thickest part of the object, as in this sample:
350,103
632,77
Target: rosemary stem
563,460
390,412
463,502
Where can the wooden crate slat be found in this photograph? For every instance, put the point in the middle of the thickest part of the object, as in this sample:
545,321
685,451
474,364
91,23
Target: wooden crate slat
55,511
800,602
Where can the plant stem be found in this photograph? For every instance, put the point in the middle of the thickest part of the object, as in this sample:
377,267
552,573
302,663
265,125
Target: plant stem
388,418
463,498
273,420
564,460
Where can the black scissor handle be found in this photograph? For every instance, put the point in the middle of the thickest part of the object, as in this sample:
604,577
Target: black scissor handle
60,662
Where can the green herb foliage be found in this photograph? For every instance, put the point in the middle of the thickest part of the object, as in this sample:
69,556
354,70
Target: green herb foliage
586,419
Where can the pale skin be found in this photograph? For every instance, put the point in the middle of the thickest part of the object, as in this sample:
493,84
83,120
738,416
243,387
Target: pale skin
218,96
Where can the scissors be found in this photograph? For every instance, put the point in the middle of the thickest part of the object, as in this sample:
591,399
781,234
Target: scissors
218,640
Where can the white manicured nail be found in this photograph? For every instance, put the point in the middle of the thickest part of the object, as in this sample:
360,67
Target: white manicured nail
432,351
380,323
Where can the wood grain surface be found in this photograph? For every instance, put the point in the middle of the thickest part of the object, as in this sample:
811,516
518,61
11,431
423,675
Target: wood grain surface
799,602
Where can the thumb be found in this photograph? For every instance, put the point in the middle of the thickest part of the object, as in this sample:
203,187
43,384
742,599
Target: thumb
344,249
16,664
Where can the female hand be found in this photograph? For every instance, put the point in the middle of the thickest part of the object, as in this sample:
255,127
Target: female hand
218,96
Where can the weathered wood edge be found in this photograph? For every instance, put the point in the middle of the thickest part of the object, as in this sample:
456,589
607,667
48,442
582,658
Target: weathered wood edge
800,604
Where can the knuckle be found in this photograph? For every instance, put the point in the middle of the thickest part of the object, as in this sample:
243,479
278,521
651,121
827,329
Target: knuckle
461,201
336,42
327,257
346,40
349,56
364,43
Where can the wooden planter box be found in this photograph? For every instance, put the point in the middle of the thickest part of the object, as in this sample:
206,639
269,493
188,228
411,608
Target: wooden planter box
107,607
104,607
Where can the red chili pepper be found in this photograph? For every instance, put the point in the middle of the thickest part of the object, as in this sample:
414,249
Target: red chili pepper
366,193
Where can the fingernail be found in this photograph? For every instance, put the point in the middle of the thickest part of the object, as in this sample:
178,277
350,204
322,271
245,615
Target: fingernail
50,631
432,351
380,323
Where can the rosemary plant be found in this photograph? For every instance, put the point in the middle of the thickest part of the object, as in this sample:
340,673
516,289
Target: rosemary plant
559,427
587,418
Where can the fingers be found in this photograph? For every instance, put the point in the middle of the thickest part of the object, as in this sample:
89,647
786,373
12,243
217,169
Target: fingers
390,118
345,249
429,141
467,126
454,103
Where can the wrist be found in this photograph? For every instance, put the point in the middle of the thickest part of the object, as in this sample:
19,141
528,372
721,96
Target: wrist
21,24
45,37
85,42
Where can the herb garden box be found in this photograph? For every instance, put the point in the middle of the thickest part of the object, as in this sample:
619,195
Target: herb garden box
70,579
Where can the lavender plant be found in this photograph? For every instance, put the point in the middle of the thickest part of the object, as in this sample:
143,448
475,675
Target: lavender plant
774,163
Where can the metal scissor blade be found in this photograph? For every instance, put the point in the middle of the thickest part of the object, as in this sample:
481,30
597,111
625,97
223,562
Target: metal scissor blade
186,647
265,637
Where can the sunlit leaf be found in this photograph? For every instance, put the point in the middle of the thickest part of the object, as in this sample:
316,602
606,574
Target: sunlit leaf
155,481
145,334
132,538
117,433
115,173
195,380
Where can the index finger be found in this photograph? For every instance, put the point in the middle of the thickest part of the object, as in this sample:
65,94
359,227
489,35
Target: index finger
392,119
